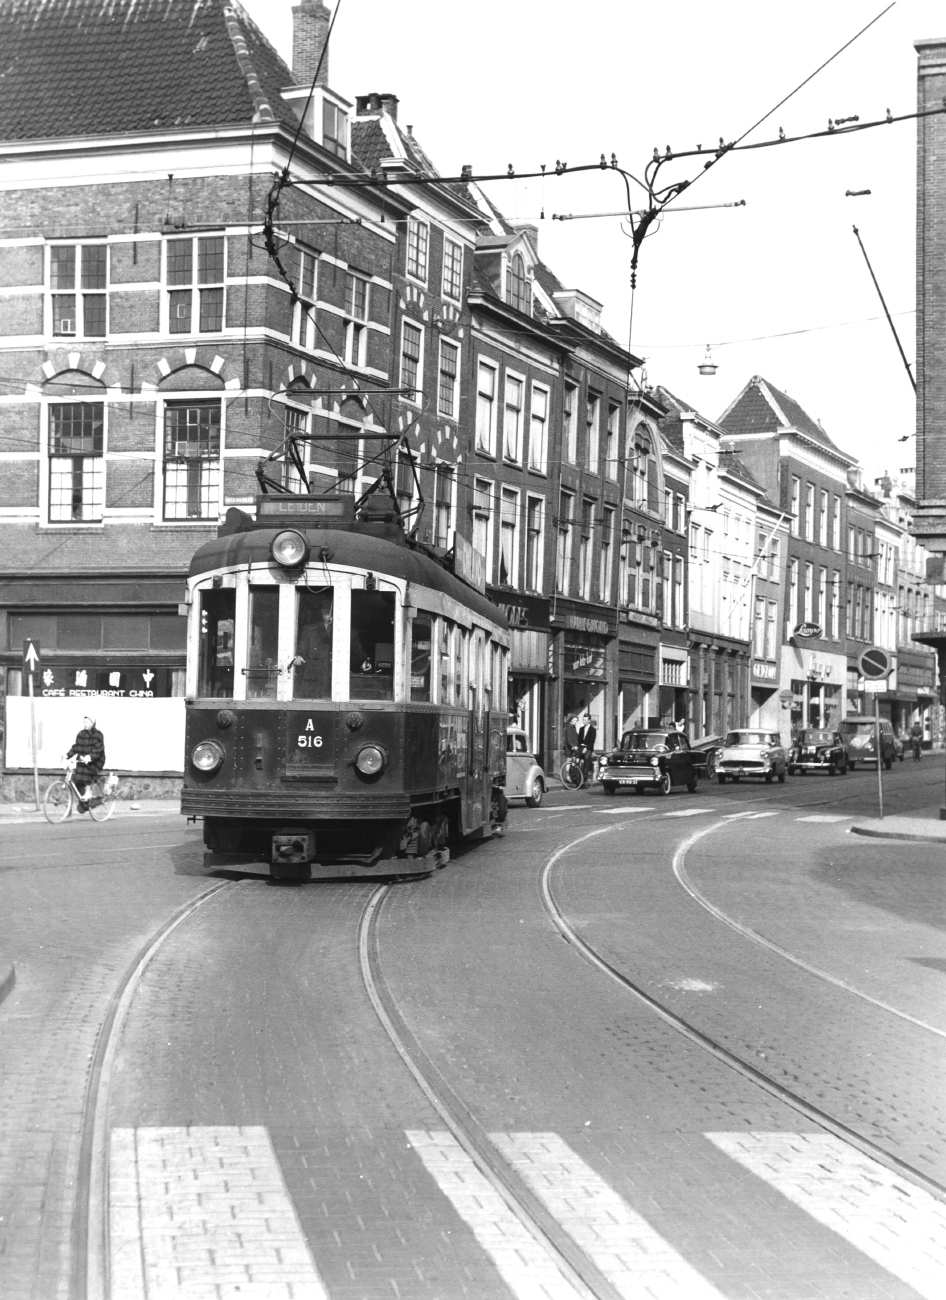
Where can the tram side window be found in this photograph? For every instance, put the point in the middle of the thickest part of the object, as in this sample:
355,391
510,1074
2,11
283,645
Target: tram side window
217,615
421,636
499,679
445,655
262,667
372,645
312,663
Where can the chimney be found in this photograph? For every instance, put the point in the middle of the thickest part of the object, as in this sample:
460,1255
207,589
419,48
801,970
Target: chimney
310,24
368,105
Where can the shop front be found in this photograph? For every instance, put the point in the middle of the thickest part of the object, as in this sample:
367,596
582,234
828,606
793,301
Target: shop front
817,681
673,695
765,710
719,677
529,665
586,646
638,677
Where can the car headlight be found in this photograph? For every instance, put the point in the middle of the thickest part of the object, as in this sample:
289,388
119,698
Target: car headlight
290,549
764,753
370,760
655,762
207,756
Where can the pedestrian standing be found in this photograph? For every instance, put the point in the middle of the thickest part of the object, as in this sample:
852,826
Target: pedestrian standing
89,752
916,740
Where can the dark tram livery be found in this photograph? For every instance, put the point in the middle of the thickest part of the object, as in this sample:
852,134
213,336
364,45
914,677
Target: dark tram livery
346,695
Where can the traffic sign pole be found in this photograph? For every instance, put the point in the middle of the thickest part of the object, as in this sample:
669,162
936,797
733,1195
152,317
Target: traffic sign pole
880,780
31,664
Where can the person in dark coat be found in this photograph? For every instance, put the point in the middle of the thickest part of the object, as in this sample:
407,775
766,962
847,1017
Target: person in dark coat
89,752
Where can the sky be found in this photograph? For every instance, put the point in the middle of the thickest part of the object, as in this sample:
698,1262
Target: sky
778,287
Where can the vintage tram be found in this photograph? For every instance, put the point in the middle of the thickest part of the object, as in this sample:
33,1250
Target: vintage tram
346,694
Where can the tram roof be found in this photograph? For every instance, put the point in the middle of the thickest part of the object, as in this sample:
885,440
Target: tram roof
354,550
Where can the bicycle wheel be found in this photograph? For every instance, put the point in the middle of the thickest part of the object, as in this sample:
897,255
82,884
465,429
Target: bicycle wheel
57,802
101,806
572,774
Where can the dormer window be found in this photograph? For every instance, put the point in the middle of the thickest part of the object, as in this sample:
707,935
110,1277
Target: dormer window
334,128
517,284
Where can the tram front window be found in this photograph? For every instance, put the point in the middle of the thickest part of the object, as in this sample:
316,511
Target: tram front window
262,668
215,671
312,665
372,645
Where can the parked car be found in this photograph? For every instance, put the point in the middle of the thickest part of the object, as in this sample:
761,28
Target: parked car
659,758
860,741
818,750
705,753
525,779
752,753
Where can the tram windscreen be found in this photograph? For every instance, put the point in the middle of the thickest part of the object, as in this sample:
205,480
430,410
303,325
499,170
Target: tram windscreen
421,632
215,665
312,665
262,665
372,645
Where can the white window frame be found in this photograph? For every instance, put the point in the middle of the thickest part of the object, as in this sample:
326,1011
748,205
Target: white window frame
509,526
448,282
442,534
214,471
606,559
535,538
302,325
91,470
356,321
196,287
296,419
586,547
593,431
447,347
418,393
486,403
512,427
539,429
612,442
482,512
795,507
77,292
563,541
418,244
809,511
570,423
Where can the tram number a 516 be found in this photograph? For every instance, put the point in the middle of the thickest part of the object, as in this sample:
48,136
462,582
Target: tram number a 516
310,740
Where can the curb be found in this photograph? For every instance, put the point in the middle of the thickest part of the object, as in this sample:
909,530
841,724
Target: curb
7,982
871,833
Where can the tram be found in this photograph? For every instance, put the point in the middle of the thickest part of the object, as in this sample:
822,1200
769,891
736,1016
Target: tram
346,694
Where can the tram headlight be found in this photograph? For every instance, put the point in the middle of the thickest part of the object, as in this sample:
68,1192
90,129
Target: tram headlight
370,760
207,756
290,549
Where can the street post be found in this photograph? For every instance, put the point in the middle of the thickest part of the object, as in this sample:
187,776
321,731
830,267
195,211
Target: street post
32,662
876,665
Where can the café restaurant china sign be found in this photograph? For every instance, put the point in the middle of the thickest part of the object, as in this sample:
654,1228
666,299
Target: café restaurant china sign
808,631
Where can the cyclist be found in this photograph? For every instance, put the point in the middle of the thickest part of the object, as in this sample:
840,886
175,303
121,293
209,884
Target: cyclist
916,741
89,752
587,735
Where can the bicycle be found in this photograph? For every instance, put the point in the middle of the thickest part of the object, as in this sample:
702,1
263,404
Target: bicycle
63,793
576,771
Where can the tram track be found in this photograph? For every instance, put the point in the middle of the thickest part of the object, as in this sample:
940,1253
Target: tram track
89,1232
714,1047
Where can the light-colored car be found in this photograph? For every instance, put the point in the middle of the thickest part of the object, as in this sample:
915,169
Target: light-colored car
751,752
525,779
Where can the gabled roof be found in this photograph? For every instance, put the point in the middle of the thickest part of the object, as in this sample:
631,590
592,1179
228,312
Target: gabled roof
671,426
102,67
763,408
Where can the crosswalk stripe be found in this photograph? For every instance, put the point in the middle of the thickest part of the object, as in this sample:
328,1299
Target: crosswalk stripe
619,812
897,1225
204,1211
688,812
525,1266
826,817
634,1258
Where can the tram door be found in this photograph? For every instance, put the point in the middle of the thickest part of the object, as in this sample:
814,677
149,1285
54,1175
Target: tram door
480,782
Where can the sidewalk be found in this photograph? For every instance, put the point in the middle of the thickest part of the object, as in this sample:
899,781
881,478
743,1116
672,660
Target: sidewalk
24,811
924,827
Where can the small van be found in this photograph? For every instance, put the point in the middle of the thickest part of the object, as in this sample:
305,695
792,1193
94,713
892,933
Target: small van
859,735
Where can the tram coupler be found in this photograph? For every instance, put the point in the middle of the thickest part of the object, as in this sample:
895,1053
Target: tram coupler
291,855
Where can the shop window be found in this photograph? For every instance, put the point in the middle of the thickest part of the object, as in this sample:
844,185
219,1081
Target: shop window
126,632
215,662
79,632
421,646
315,641
372,645
262,668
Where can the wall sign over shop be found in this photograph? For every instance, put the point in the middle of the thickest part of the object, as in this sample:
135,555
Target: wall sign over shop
120,683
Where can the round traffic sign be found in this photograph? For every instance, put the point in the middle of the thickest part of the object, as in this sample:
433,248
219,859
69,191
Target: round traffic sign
875,663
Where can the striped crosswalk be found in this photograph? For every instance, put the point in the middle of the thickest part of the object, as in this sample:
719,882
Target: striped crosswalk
205,1211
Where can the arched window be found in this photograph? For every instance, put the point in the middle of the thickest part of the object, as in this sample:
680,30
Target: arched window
517,285
644,469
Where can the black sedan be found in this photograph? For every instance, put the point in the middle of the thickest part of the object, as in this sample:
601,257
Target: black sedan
818,750
658,759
